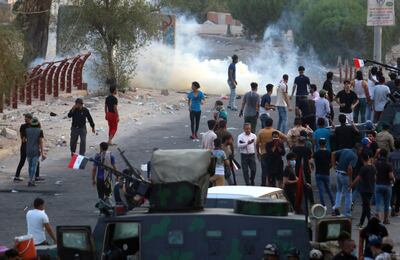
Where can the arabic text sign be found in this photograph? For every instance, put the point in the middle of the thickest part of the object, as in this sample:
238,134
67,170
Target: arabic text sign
380,13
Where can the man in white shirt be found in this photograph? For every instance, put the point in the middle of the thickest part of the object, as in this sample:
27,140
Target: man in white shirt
207,141
247,148
37,222
380,98
322,107
283,104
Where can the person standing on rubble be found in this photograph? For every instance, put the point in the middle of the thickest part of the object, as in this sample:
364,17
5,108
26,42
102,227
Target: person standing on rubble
111,111
232,82
79,114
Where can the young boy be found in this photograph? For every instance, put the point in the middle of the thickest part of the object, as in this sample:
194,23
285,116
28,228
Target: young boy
322,160
220,113
290,178
221,161
101,177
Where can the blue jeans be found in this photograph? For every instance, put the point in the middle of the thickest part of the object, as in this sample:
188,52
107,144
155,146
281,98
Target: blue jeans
342,187
283,119
232,97
369,113
263,119
383,193
323,182
360,109
32,164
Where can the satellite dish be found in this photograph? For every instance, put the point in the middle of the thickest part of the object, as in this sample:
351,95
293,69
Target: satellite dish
318,211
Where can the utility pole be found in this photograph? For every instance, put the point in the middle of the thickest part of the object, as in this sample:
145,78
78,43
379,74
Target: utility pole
378,43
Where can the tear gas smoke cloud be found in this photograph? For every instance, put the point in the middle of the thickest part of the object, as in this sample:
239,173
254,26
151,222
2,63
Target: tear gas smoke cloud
161,66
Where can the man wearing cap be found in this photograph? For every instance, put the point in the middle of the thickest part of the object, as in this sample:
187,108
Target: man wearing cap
22,132
34,148
301,83
271,252
79,114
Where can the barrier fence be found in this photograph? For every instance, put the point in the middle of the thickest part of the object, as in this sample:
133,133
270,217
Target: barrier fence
48,78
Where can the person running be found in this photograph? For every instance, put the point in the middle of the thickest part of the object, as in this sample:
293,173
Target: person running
232,82
394,159
207,141
294,133
345,135
264,136
347,160
385,139
22,131
373,230
290,179
275,150
251,106
34,148
111,111
220,112
331,95
360,87
283,104
347,100
246,144
322,132
365,181
380,98
38,222
383,189
372,81
218,179
322,160
79,114
322,108
195,101
301,83
101,176
265,105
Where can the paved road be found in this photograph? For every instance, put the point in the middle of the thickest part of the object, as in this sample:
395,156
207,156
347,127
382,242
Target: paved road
72,203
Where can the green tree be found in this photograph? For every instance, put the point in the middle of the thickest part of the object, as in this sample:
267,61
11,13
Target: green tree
338,28
256,15
11,67
115,30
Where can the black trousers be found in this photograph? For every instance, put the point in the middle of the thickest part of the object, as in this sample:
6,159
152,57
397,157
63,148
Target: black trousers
248,162
253,121
396,196
195,121
81,133
22,160
102,189
366,206
264,169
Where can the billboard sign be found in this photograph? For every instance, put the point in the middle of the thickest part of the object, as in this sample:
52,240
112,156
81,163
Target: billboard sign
380,13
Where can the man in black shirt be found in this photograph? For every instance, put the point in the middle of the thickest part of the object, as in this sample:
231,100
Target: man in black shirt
301,83
329,88
111,111
79,114
347,100
347,250
322,160
22,132
345,136
366,176
274,152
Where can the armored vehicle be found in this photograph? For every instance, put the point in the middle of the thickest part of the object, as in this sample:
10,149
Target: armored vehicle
166,219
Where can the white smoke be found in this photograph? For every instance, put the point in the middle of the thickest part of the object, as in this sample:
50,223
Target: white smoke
165,67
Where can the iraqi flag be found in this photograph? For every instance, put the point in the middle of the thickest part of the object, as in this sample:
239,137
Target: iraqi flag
299,191
358,63
78,162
